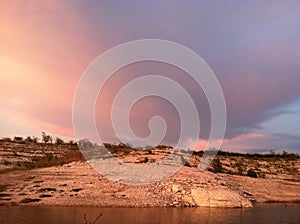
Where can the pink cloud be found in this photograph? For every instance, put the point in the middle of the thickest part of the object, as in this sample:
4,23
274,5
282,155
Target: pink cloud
40,63
241,142
48,45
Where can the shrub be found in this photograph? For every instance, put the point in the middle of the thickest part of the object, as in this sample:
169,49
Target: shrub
59,141
18,139
7,139
211,152
29,165
6,163
163,147
49,156
85,144
107,145
123,145
46,138
114,149
126,151
251,173
29,200
239,166
217,166
35,139
145,160
28,139
185,162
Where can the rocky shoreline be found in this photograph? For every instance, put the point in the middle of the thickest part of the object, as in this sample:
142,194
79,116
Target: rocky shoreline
78,184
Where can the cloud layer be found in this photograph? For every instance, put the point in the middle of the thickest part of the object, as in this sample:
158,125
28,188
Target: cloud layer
252,47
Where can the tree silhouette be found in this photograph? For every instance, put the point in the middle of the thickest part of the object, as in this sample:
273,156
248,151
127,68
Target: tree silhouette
46,138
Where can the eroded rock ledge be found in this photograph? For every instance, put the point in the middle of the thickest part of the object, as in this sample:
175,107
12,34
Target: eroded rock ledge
219,198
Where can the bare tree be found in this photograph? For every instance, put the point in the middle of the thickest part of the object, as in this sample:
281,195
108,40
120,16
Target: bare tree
46,138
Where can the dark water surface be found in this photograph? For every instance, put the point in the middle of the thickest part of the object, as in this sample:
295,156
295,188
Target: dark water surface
264,213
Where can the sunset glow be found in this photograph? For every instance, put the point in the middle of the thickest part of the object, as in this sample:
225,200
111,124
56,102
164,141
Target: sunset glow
45,47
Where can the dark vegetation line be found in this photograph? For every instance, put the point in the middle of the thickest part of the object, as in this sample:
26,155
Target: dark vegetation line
115,148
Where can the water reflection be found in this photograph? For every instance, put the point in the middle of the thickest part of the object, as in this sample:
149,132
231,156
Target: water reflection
267,213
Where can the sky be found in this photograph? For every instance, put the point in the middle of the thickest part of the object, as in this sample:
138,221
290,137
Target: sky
253,48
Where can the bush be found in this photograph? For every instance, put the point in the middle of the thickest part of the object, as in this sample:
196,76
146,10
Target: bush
18,139
185,162
7,139
35,139
28,139
217,166
163,147
251,173
46,138
59,141
240,168
107,145
85,144
126,151
29,165
145,160
49,156
29,200
6,163
114,149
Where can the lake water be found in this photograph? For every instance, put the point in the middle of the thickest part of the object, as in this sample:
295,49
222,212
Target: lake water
264,213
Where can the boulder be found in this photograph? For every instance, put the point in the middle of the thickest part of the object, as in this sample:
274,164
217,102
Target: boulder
221,197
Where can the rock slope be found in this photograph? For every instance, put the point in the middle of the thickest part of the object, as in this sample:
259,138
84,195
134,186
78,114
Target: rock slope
78,184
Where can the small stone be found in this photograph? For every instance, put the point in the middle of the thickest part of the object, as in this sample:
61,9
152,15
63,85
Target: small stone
175,188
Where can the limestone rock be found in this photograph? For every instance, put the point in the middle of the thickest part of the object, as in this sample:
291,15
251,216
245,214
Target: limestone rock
175,188
201,197
245,203
189,200
220,197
